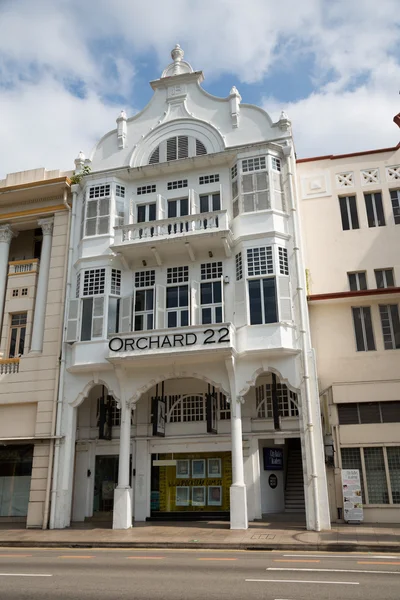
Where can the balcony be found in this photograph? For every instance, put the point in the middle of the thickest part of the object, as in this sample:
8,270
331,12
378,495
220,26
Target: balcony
9,365
23,267
179,234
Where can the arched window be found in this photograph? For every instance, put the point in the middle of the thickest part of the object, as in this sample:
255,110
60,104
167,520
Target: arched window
176,148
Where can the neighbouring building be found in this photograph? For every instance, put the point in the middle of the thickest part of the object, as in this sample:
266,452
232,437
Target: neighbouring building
189,387
34,225
350,212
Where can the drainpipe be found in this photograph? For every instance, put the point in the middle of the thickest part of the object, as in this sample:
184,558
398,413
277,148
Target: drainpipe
60,397
304,329
57,381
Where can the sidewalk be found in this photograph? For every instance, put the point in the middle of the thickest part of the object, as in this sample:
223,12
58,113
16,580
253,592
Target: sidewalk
213,535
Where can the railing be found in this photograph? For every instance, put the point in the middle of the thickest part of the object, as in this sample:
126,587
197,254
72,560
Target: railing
22,267
167,228
9,365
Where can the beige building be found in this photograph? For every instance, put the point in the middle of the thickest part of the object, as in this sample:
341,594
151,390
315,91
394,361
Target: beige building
34,225
350,212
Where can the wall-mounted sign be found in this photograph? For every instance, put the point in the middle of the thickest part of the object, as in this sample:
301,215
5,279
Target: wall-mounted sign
352,499
140,343
273,481
158,417
273,459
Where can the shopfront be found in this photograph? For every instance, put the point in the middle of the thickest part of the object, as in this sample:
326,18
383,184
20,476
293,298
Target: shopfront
186,485
15,479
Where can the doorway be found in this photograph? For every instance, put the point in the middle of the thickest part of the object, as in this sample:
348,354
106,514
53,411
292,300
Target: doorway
105,481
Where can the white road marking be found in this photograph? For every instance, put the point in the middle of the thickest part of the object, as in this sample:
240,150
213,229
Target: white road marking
25,575
332,570
345,556
302,581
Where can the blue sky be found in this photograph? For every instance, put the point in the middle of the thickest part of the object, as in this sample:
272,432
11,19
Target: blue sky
67,68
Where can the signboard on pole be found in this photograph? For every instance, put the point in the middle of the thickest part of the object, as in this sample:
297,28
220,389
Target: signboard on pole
352,499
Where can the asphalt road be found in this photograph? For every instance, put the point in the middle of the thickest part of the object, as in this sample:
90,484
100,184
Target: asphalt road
60,574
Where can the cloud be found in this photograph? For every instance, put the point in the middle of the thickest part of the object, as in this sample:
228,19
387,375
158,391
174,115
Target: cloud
70,66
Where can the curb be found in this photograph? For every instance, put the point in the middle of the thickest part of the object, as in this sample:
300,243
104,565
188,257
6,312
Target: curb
338,547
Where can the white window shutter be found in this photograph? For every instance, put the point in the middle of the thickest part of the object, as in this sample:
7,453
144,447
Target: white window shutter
73,321
161,207
277,193
160,306
240,303
98,317
285,300
195,303
125,317
194,203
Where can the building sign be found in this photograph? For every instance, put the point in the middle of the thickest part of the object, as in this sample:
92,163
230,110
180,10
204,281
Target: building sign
273,481
273,459
352,499
140,343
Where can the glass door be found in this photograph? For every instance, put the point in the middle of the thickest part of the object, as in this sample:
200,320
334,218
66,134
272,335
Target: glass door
105,481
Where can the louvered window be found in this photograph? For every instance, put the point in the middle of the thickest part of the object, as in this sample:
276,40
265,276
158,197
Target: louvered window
348,414
390,412
177,147
155,156
369,412
255,192
200,148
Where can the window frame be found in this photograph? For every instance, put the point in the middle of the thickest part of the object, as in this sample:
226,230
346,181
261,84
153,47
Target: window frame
146,206
395,202
358,285
211,197
19,328
348,208
384,273
363,328
394,327
374,219
97,200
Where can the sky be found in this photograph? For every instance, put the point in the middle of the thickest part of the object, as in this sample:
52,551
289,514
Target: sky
68,67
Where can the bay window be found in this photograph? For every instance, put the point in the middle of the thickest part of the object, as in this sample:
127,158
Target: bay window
97,210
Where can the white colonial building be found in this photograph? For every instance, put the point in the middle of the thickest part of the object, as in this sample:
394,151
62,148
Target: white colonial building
189,386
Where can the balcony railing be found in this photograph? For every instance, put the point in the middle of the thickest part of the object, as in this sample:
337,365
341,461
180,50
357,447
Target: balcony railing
9,365
23,267
169,228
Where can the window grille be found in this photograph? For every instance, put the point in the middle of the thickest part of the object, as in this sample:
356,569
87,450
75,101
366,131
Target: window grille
146,189
376,476
234,172
283,261
276,164
155,156
390,326
351,459
177,274
253,164
120,191
184,409
239,266
200,148
115,282
24,292
212,270
203,179
369,176
345,179
145,278
393,173
287,401
177,185
260,261
99,191
94,282
15,293
393,458
78,285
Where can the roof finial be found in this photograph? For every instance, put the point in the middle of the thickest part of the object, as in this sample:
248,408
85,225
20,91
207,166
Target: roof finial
177,55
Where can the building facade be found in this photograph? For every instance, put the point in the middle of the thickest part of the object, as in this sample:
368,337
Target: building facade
189,386
350,212
34,226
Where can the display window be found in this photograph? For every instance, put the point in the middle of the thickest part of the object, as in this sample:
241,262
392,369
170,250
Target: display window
191,482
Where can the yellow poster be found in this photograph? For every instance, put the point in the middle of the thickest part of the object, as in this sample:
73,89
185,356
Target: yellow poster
196,482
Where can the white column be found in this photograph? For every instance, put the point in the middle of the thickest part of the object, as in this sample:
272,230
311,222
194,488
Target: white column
122,515
238,508
41,290
6,235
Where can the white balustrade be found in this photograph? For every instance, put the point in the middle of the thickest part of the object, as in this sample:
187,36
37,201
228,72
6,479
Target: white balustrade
9,366
167,228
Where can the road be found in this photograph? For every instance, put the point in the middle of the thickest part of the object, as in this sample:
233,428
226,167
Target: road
66,574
